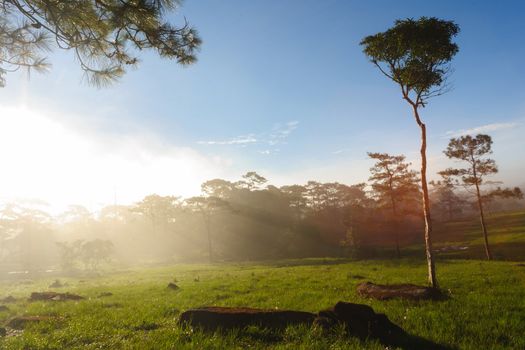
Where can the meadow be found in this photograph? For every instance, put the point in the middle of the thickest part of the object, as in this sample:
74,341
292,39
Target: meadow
484,306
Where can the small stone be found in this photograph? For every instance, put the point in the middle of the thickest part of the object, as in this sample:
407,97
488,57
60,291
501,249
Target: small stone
172,286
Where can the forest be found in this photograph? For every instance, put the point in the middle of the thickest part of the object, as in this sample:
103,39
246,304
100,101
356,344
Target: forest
244,220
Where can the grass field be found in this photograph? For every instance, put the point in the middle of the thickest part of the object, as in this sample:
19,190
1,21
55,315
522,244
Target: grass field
485,308
506,232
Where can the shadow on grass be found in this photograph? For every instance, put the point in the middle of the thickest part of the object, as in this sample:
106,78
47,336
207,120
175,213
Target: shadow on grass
412,342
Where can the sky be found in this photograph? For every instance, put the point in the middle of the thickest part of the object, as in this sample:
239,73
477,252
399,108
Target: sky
280,87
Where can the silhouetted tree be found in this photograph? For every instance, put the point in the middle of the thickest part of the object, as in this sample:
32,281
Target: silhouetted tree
445,198
160,210
474,151
393,182
93,253
415,55
252,181
105,36
207,207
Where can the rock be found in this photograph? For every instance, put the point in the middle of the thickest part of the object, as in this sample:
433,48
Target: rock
21,322
3,308
360,321
8,299
211,318
42,296
403,291
3,332
172,286
326,320
105,294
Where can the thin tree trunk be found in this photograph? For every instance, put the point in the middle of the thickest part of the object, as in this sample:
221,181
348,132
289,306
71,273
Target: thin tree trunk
396,228
482,219
432,280
208,230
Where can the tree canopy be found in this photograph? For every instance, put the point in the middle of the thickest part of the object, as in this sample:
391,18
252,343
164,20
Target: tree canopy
106,36
415,54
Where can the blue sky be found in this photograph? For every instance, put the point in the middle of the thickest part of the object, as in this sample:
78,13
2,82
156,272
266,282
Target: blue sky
281,87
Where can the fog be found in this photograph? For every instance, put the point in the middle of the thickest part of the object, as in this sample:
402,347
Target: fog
244,220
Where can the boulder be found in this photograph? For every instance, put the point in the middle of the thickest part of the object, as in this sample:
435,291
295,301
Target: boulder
360,321
215,317
403,291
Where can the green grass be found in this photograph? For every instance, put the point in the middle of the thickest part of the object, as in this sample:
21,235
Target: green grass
485,310
506,234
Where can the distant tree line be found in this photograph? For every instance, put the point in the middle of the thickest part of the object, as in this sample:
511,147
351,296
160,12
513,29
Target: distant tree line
250,219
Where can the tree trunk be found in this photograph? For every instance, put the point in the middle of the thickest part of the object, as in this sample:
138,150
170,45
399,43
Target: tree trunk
208,231
482,219
432,280
396,227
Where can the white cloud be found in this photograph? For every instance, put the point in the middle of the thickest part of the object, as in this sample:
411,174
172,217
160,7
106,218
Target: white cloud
239,140
481,129
44,158
281,132
278,135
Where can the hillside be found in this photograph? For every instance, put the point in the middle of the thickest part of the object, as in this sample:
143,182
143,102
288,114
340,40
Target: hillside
464,239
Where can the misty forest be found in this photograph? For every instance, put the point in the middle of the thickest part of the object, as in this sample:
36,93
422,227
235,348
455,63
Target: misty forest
120,228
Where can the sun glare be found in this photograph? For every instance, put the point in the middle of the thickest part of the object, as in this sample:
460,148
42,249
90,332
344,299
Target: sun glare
45,159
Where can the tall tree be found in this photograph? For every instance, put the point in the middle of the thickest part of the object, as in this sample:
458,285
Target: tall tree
207,207
105,35
445,198
393,182
415,54
474,152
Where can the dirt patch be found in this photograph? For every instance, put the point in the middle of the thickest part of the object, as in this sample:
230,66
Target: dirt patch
3,308
20,322
211,318
8,299
520,265
104,294
402,291
53,296
3,332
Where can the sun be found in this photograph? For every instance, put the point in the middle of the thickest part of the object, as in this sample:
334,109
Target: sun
44,158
